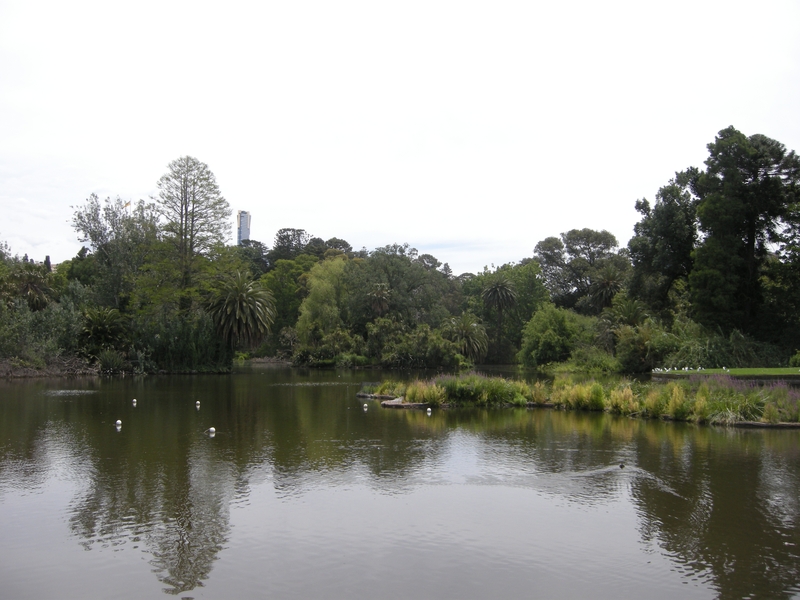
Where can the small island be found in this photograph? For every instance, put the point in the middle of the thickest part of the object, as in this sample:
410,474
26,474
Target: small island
715,399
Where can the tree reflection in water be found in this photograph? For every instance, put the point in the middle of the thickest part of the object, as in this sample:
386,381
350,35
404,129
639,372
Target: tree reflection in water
721,504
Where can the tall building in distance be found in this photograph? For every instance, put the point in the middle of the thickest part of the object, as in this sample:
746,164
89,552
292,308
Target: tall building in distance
242,226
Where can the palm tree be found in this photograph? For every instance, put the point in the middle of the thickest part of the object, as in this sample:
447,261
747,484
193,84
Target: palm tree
606,283
501,295
469,336
103,328
629,311
379,298
242,310
30,282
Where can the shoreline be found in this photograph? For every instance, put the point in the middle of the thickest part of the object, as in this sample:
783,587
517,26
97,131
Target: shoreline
61,367
400,404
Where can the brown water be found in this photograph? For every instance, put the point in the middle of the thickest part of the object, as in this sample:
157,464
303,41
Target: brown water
304,494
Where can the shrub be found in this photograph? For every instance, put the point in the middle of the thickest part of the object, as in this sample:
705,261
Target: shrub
621,400
590,359
771,414
111,362
538,393
701,410
420,348
391,388
597,397
349,360
38,337
643,347
186,342
678,406
434,395
551,335
654,403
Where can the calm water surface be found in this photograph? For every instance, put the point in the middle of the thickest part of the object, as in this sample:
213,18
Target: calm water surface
304,494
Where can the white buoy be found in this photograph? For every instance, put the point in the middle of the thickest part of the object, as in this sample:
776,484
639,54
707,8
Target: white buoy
429,411
118,423
365,407
197,403
134,401
212,431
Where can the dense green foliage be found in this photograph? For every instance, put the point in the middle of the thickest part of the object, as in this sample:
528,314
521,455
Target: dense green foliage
711,278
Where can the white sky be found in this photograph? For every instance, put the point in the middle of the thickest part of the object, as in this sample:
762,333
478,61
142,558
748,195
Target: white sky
470,130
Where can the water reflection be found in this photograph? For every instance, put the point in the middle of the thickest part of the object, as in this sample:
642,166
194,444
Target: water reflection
722,505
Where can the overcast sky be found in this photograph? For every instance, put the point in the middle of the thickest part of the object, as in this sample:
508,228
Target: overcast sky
470,130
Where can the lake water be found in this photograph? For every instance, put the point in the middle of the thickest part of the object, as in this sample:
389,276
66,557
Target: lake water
302,493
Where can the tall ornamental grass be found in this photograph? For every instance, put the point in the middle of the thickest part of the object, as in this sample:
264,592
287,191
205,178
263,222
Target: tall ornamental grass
716,399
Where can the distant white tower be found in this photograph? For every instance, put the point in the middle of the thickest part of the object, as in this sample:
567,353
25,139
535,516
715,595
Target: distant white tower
242,226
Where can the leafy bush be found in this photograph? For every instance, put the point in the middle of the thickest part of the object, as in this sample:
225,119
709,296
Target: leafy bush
186,342
420,348
697,347
111,362
641,348
38,337
551,335
591,359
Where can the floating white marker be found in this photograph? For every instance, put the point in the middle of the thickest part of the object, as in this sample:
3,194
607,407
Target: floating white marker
118,423
365,407
429,411
134,401
212,431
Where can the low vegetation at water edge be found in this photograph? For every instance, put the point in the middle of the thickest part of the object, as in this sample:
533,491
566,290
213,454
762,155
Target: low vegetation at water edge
715,399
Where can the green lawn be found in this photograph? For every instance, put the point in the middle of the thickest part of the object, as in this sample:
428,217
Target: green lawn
774,372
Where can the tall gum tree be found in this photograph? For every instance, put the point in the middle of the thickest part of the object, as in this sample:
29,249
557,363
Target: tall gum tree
122,236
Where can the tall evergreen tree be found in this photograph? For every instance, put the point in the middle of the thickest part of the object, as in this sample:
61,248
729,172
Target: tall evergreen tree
663,241
745,193
196,214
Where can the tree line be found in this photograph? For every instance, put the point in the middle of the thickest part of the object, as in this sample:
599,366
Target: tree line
709,278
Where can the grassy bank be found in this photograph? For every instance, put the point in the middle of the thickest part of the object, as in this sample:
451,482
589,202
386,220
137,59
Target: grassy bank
715,399
787,373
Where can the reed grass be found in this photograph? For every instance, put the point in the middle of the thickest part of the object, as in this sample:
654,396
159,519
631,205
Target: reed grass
719,399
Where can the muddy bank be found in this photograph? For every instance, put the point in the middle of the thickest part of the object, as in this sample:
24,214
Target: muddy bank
59,367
